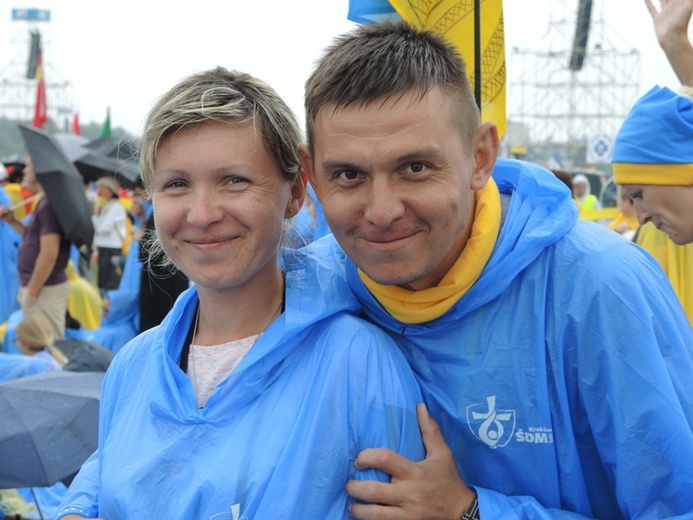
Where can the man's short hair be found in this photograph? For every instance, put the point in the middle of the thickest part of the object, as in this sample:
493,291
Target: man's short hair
385,60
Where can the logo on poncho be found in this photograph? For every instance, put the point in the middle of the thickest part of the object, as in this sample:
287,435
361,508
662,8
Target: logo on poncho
493,427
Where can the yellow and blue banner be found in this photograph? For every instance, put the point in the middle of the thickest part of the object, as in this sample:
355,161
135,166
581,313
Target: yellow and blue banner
455,20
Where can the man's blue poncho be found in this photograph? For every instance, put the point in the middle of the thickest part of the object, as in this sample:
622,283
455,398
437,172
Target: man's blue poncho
563,379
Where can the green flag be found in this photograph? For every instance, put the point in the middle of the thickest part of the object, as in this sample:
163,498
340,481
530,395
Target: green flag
106,129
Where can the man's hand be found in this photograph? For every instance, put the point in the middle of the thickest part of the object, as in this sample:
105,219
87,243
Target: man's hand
430,489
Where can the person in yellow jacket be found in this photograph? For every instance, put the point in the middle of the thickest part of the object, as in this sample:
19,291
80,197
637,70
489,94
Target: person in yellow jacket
84,301
586,201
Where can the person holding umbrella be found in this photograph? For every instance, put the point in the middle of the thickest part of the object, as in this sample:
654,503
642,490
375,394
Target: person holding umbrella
43,256
259,388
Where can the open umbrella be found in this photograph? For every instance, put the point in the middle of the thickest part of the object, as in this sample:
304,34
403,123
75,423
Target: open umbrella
62,183
84,356
49,427
100,157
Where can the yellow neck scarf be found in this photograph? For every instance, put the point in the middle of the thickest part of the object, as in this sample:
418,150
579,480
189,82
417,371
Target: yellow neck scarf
428,304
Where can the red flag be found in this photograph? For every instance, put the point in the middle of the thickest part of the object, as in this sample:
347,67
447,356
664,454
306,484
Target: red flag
41,110
75,124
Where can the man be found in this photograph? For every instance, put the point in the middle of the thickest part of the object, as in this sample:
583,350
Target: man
43,256
652,159
552,353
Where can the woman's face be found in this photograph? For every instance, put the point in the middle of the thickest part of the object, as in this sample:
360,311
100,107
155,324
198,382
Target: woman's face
220,201
667,207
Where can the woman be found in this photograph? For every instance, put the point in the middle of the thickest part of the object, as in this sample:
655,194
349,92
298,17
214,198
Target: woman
653,161
34,336
109,234
258,390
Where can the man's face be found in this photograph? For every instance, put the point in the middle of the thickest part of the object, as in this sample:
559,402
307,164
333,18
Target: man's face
667,207
396,184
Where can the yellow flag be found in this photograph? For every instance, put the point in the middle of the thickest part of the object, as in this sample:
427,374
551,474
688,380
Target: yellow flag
455,20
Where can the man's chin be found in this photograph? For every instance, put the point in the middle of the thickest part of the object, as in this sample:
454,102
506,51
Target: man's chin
389,276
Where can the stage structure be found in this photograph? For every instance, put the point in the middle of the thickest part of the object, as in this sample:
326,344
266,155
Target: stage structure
29,31
571,84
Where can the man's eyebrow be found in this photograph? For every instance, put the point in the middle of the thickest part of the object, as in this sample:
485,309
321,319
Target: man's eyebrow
422,154
338,165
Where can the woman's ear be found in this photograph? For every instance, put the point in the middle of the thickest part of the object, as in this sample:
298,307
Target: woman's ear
307,165
298,194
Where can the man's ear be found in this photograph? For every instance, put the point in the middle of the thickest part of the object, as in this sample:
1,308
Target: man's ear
485,153
306,159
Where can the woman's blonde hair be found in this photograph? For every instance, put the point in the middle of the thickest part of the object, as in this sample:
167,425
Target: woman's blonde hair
225,96
36,333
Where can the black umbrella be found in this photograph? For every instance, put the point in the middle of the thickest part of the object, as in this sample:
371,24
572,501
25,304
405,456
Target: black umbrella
62,183
106,156
84,356
110,156
49,427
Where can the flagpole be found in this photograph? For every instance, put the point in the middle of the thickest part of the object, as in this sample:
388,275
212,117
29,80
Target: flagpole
477,52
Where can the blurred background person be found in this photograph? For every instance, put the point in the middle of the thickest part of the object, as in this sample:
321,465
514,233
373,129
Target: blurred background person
109,234
43,256
35,338
653,161
582,193
626,221
119,322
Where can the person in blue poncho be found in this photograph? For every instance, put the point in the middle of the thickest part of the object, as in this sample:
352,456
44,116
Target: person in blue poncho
552,352
653,161
120,320
257,391
9,251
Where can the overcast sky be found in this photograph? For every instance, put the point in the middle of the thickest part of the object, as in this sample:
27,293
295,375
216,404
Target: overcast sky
126,53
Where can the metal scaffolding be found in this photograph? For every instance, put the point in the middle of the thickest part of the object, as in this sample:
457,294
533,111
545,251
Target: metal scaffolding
17,92
553,110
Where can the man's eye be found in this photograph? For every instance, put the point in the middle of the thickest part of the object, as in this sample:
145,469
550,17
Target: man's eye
416,167
348,175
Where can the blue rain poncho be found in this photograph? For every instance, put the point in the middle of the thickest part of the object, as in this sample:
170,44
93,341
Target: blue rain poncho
9,252
279,436
563,379
122,322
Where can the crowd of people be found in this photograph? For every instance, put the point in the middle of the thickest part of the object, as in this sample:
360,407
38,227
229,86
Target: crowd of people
386,319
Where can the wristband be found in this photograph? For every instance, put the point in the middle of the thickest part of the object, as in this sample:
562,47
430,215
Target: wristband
473,512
